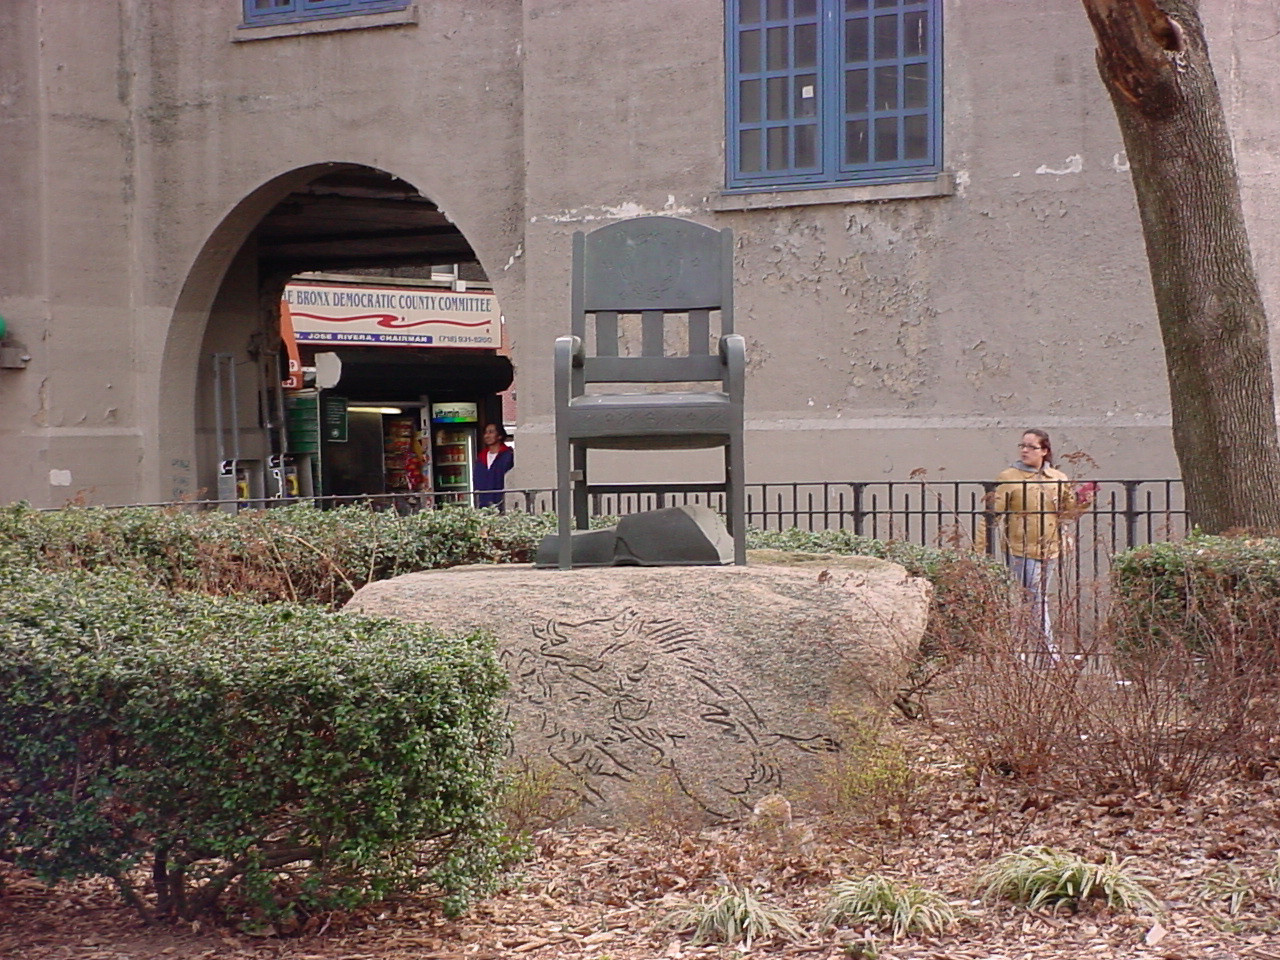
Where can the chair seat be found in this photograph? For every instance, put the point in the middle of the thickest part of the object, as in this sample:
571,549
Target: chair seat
661,420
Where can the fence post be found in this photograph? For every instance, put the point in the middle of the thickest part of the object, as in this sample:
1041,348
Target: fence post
859,515
992,518
1131,513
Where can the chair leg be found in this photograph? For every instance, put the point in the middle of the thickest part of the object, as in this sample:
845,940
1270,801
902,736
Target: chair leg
735,489
580,515
563,505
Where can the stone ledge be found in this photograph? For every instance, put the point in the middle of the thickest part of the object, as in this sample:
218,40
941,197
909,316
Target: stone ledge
942,185
303,28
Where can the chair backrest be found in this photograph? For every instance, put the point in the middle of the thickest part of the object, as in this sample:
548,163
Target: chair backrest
659,269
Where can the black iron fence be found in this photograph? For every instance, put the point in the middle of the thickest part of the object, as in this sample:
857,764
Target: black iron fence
1123,513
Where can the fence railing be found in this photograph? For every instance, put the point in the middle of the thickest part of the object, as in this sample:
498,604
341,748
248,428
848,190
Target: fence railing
951,514
1123,514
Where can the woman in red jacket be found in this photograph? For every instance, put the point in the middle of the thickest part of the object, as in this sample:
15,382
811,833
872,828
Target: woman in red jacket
495,459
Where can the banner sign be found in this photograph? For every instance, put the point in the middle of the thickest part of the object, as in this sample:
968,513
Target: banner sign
393,316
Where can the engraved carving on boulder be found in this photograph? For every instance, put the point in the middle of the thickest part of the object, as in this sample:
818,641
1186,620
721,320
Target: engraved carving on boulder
645,696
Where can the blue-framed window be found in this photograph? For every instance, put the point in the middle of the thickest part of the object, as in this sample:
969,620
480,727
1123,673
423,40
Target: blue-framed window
260,12
833,91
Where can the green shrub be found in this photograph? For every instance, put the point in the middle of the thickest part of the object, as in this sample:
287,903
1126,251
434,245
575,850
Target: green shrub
263,758
304,554
294,552
536,795
1196,592
872,779
163,547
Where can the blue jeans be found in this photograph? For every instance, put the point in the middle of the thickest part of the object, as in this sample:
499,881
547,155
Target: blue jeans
1036,577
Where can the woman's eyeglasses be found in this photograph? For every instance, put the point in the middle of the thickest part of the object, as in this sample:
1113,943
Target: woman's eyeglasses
1030,446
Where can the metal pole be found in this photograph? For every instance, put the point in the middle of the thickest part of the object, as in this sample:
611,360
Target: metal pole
217,408
233,409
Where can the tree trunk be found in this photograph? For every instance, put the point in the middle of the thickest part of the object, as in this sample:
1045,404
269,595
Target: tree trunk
1154,62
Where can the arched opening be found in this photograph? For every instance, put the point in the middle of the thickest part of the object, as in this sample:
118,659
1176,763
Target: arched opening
375,275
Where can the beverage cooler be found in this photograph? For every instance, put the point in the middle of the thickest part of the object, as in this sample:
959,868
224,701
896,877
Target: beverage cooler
453,436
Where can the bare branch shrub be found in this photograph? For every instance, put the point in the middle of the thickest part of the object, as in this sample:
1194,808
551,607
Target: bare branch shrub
1184,693
1009,715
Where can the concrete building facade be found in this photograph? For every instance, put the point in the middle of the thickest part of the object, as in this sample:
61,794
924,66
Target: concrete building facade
165,168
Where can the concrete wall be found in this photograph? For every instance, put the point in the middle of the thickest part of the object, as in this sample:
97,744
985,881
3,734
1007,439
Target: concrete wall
1244,38
140,145
883,336
67,188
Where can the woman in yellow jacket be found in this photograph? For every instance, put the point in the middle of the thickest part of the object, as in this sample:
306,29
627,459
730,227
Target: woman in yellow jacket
1033,499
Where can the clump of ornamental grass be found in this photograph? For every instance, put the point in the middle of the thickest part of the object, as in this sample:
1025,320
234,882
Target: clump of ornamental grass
1042,876
898,909
731,914
1228,887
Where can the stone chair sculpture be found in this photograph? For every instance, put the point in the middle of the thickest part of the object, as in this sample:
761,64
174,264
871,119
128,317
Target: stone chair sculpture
625,379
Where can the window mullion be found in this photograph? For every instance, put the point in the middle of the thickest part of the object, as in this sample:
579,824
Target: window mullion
831,78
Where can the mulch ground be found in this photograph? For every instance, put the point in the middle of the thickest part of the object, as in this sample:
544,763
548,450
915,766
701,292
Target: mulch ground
601,894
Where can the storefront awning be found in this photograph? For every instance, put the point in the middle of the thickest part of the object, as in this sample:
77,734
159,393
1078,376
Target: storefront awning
379,373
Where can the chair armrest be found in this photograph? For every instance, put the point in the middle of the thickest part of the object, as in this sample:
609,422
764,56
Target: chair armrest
569,348
568,357
733,355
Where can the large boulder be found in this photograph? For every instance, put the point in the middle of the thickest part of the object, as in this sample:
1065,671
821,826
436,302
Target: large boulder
707,686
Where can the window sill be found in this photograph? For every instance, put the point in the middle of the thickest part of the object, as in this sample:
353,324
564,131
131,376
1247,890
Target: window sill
302,28
942,185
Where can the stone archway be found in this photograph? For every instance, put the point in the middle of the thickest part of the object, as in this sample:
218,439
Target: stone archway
319,217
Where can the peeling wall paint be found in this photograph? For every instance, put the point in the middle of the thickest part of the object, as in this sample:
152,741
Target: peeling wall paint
626,210
1075,164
